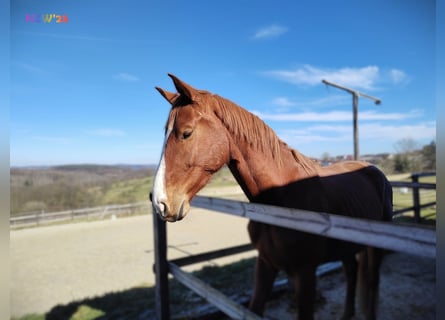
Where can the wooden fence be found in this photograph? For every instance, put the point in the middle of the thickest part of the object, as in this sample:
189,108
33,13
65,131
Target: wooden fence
415,185
39,218
404,238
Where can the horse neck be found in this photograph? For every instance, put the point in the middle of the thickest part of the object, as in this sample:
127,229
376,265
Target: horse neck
262,161
257,172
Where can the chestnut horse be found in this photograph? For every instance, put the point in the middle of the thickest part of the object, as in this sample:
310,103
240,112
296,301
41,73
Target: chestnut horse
204,132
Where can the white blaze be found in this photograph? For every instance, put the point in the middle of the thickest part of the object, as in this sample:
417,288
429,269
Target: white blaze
159,192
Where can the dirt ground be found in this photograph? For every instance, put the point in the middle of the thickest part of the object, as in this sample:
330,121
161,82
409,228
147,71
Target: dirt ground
54,265
59,264
407,291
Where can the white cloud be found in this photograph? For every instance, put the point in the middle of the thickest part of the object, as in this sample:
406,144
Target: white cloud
359,78
398,76
368,132
125,77
334,116
330,128
396,132
299,139
329,101
104,132
283,102
268,32
425,130
365,78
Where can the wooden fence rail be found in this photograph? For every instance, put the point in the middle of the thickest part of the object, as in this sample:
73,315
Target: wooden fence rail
96,212
416,240
410,239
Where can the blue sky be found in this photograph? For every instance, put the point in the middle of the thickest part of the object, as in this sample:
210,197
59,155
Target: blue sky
83,91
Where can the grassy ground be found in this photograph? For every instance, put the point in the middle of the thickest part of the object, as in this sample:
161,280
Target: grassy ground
128,191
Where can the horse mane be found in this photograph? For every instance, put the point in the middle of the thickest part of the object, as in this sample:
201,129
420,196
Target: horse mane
249,127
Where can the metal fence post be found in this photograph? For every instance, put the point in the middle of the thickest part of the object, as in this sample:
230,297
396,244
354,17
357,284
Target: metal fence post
161,268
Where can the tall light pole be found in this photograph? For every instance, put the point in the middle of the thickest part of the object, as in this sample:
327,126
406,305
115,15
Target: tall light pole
355,96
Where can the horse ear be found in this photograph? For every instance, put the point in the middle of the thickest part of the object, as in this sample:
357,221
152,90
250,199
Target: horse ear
184,89
169,96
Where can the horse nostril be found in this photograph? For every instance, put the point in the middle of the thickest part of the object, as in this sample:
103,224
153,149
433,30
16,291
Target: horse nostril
151,196
162,208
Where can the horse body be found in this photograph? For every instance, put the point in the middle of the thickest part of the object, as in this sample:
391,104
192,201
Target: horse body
350,188
205,131
298,253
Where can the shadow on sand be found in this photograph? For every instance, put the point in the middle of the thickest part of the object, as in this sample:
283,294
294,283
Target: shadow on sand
139,303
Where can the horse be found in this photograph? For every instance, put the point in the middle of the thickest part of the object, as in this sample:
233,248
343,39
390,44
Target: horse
205,131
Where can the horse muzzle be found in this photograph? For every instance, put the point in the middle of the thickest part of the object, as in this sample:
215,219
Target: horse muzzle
170,212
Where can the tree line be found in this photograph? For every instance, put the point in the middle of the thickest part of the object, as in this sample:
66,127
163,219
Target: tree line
409,157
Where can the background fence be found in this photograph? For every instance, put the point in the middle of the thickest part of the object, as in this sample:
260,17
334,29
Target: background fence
428,196
102,212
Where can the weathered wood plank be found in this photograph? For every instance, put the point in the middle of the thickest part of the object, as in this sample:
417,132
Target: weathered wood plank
45,217
410,239
212,255
218,299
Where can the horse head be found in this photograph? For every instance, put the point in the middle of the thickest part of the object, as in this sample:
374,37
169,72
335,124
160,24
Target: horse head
195,146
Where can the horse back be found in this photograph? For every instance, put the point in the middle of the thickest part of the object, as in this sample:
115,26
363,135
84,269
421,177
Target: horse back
363,193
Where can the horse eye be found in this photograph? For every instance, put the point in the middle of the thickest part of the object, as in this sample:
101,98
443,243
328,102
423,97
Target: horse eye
186,134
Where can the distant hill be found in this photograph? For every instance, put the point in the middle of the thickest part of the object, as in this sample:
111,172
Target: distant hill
53,188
